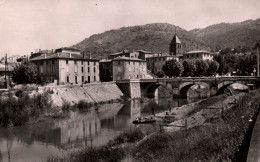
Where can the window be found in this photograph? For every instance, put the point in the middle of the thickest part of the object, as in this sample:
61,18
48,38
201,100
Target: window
94,69
76,79
52,69
67,61
88,62
88,79
68,79
52,62
82,69
81,62
75,61
88,69
94,78
82,79
94,63
118,62
47,62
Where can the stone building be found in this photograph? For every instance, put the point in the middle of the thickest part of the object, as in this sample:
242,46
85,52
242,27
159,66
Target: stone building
201,54
155,63
176,46
129,68
122,68
66,66
124,53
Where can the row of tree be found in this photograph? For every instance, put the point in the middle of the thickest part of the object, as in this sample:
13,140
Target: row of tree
192,68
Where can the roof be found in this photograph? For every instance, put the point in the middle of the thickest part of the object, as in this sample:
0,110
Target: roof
198,51
146,52
61,55
175,39
119,53
69,48
162,56
105,60
127,59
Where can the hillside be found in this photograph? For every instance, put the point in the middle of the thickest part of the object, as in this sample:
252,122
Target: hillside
152,37
225,35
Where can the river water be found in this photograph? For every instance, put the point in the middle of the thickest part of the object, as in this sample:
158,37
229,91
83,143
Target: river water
59,137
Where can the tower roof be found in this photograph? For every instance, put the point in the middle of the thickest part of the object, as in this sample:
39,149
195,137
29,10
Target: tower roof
175,39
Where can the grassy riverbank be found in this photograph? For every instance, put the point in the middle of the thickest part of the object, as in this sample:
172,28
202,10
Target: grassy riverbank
19,110
219,138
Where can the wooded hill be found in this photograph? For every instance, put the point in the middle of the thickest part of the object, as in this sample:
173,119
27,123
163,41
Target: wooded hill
156,38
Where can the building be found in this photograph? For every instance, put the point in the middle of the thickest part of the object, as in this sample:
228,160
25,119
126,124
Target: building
201,54
129,68
106,70
122,68
155,63
176,48
144,54
124,53
5,74
66,67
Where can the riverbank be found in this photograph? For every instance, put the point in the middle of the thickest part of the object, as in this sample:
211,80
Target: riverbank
221,126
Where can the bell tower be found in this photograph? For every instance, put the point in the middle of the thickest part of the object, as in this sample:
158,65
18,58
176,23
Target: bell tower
175,46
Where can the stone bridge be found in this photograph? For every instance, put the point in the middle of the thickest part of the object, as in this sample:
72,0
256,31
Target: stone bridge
149,87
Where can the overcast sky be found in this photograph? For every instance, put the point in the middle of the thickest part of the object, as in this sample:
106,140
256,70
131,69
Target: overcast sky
26,25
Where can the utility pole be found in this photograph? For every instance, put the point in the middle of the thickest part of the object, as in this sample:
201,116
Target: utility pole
5,69
257,53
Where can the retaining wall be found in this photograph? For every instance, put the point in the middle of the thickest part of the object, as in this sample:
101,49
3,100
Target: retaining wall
91,93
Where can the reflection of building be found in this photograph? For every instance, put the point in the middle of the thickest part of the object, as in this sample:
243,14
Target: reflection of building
67,66
201,54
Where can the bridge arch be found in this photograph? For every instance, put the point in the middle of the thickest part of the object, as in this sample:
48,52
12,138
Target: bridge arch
224,86
150,90
184,87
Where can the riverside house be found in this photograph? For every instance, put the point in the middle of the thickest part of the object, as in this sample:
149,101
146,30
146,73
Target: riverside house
66,65
200,54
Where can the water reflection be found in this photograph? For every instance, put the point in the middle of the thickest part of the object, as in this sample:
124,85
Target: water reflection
59,137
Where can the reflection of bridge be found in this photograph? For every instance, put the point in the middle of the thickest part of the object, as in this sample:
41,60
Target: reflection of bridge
180,86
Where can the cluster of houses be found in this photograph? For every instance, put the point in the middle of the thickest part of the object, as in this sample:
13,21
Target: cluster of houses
70,65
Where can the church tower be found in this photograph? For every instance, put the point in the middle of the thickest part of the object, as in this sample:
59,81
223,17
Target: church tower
175,46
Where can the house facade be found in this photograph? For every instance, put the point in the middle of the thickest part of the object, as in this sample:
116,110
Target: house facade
66,67
201,54
129,68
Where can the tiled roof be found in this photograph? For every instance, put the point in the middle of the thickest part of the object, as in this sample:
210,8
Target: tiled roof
198,51
128,59
175,39
61,55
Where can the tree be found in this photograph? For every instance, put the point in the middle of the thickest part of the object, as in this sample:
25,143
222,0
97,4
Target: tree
173,68
223,68
189,68
213,67
25,73
201,67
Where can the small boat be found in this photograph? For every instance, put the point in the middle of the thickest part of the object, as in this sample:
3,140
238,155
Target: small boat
144,120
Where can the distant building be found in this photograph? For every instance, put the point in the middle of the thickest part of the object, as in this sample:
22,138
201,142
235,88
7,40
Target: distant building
5,74
66,66
124,53
155,63
144,54
201,54
176,47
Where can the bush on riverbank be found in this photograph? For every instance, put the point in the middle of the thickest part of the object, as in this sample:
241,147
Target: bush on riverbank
219,140
17,111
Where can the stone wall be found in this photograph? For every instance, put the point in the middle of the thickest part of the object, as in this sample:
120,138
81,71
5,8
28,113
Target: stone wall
91,93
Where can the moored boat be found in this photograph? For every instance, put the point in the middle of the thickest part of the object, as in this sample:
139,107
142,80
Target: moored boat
144,120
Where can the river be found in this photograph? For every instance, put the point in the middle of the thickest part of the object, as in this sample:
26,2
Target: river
36,142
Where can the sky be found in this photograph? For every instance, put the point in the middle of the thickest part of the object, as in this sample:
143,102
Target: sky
26,25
